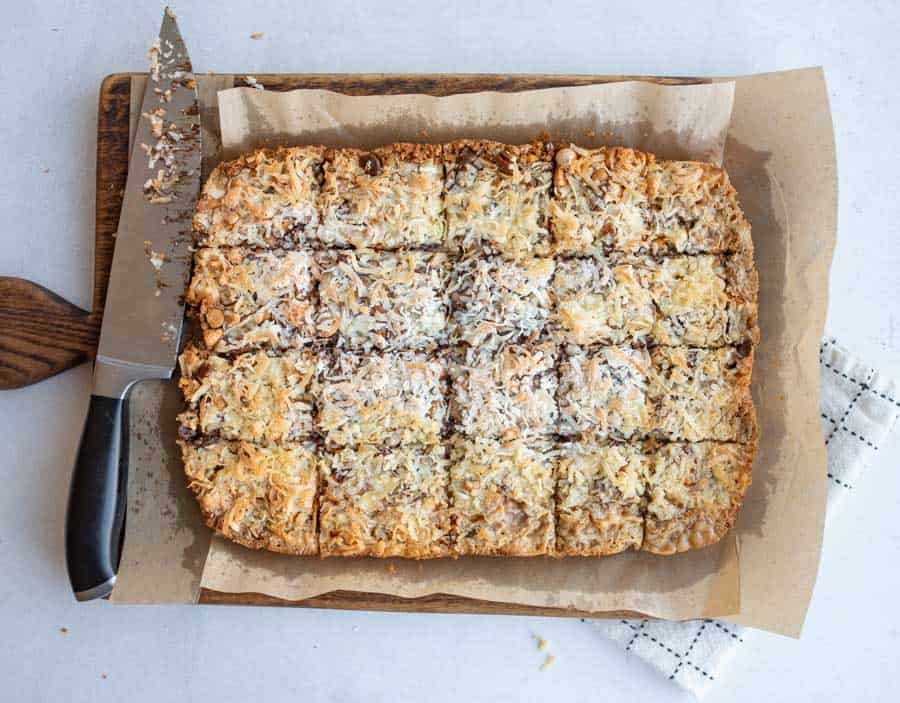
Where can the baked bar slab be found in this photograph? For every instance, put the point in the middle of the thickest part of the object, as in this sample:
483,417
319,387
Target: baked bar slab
267,198
382,399
502,497
704,300
497,197
605,392
247,299
255,396
623,200
261,497
385,503
495,301
600,499
667,393
383,300
694,494
387,198
506,395
597,301
700,394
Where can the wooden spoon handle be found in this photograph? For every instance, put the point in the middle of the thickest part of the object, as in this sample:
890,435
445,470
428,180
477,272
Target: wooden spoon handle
40,333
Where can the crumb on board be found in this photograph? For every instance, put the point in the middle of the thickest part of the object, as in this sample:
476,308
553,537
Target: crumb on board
156,258
548,662
258,35
391,568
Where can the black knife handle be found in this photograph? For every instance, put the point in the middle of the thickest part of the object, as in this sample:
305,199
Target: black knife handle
96,512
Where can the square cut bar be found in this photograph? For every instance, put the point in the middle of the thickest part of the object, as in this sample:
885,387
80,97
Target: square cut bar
694,494
385,503
246,299
383,399
254,396
504,395
600,499
266,199
700,394
497,197
599,301
605,392
383,300
667,393
704,300
502,497
495,301
387,198
617,199
261,497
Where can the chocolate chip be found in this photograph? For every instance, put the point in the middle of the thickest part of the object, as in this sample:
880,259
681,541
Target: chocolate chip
745,349
466,156
504,163
370,164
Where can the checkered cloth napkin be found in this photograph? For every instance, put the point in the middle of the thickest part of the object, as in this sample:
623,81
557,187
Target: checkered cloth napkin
858,408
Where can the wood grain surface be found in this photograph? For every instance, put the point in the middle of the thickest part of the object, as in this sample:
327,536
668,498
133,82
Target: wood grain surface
41,334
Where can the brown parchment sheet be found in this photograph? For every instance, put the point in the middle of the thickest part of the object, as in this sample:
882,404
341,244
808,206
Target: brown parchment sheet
679,122
780,154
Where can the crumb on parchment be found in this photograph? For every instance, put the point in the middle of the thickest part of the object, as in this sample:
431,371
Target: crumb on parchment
548,662
542,643
258,35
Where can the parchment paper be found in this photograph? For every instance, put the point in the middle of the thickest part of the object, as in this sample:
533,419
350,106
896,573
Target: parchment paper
780,155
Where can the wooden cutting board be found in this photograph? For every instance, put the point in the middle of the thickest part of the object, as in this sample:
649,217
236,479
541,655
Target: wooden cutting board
41,334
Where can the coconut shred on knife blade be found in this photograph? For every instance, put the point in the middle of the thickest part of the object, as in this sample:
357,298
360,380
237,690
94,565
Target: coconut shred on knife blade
144,308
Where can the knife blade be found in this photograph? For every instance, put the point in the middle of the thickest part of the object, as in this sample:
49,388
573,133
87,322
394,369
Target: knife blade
144,309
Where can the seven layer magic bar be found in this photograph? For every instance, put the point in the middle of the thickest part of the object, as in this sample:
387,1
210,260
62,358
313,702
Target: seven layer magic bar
473,348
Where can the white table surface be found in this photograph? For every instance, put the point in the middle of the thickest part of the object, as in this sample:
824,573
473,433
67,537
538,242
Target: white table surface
848,649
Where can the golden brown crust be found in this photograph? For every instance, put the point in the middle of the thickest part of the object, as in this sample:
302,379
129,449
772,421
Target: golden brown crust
260,497
386,400
386,198
382,503
703,300
666,393
256,396
267,198
618,199
694,494
497,197
502,497
601,295
383,300
247,299
496,302
600,498
507,395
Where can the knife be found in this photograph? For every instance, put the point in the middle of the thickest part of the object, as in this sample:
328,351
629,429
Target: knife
144,311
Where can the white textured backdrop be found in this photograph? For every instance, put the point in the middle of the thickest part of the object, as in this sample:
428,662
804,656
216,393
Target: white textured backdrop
52,58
